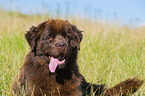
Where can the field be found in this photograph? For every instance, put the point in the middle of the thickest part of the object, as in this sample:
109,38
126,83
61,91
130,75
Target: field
110,53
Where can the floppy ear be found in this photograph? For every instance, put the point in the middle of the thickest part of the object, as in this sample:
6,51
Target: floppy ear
33,35
30,35
78,36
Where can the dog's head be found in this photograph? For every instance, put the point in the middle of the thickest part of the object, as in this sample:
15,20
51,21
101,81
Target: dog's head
53,41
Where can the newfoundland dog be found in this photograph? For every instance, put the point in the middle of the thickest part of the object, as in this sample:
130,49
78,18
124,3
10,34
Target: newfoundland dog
50,68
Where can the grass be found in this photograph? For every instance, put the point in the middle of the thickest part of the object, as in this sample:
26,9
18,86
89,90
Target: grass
110,53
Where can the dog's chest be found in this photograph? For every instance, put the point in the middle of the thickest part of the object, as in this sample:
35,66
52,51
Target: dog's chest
49,86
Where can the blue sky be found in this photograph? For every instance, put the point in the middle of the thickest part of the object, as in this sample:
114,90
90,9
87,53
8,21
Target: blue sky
125,11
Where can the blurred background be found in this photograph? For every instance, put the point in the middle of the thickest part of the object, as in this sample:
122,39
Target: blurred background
126,12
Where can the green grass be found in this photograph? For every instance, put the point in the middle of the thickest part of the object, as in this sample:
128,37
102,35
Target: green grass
110,53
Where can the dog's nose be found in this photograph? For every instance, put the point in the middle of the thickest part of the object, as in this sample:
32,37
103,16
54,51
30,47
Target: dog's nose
60,45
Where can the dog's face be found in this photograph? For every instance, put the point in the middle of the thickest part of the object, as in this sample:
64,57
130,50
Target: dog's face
53,41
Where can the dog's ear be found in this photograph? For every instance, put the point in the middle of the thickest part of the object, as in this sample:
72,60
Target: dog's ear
33,35
30,35
78,36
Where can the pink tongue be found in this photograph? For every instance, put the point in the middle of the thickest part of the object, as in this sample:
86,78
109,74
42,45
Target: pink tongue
54,63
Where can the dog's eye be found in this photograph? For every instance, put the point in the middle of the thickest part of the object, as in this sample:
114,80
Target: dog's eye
67,36
49,37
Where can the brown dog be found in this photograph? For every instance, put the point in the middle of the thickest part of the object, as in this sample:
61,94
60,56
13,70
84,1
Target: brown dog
50,67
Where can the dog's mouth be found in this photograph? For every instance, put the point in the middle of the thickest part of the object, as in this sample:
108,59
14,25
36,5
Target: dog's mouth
60,57
57,61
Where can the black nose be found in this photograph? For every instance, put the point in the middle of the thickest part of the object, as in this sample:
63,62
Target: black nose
60,45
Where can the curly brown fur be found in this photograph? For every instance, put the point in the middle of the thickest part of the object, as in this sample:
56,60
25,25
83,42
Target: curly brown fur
60,40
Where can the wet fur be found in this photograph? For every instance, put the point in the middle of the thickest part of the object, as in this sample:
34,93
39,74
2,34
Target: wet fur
35,78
